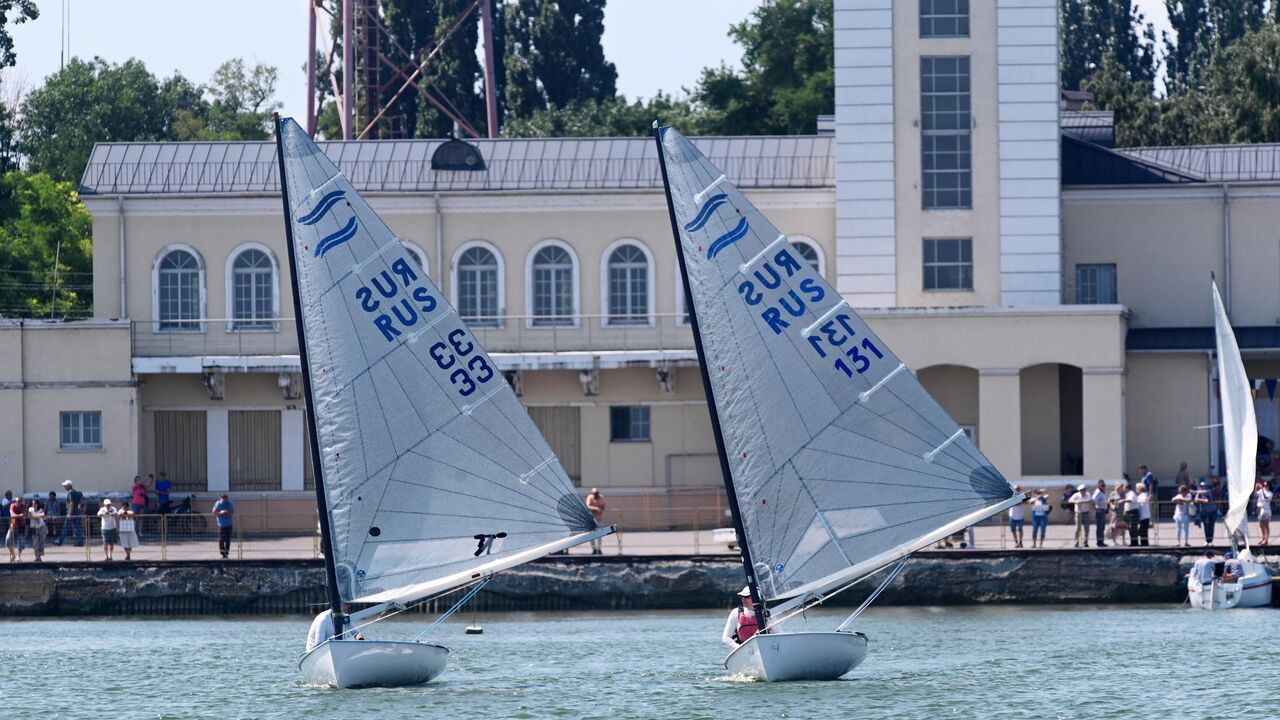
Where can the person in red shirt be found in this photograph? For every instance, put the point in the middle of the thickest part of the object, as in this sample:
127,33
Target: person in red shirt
16,538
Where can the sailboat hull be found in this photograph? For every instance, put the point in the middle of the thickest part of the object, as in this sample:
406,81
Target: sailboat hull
373,663
1253,590
779,657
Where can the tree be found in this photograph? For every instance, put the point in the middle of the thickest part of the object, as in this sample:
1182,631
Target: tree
1202,28
608,118
46,251
19,11
243,101
1243,82
554,55
453,75
1091,29
788,75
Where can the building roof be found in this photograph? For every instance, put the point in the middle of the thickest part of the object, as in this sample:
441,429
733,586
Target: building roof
1265,337
1215,163
804,161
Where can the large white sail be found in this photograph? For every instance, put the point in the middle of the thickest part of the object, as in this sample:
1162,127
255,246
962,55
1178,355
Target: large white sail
433,472
1239,424
840,459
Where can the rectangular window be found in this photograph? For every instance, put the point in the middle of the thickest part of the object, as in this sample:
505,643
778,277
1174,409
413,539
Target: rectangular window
80,431
944,18
945,132
948,264
629,423
1096,284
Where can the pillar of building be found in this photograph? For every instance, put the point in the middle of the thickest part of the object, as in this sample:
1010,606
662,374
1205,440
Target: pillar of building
218,449
292,427
1103,409
1000,419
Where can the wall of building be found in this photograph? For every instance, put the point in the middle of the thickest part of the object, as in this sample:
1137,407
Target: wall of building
1167,400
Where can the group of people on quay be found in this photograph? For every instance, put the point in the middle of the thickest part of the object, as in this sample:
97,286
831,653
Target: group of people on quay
1123,513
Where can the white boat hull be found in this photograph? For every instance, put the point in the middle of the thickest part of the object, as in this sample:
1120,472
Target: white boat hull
798,656
1252,590
366,663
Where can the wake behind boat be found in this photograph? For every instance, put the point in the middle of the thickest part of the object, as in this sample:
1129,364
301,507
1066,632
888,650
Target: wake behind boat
430,476
836,460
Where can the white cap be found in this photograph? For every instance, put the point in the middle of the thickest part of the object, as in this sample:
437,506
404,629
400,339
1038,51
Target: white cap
1080,487
107,501
744,592
66,483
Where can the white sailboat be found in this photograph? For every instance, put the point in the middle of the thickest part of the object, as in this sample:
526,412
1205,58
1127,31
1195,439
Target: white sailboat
430,476
1240,440
837,462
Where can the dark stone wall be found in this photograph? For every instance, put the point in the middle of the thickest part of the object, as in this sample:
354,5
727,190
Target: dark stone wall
577,583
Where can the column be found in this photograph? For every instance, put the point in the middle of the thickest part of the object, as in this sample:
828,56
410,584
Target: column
1000,419
218,449
292,426
1103,410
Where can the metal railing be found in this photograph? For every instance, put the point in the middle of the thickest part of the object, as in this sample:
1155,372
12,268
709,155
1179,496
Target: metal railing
658,332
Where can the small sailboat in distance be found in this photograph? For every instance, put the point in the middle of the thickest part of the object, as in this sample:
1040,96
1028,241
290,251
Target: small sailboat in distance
1240,442
836,460
430,476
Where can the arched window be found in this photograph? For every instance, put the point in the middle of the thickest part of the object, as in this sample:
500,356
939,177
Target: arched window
476,286
627,284
178,282
419,258
807,247
552,279
253,291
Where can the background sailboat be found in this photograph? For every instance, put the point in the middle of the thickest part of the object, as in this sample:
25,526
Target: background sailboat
430,475
836,459
1240,441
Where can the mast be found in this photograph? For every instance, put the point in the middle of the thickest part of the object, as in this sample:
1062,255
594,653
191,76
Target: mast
322,505
747,566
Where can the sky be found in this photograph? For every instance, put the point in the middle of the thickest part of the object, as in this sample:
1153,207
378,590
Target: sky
651,52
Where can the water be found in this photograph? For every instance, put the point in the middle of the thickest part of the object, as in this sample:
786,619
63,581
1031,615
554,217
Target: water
993,662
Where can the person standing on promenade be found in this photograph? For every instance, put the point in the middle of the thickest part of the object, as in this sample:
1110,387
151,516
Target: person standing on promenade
1183,477
1131,514
1100,506
596,504
163,488
138,496
75,514
1148,478
224,511
1040,509
1182,517
1082,501
39,528
52,513
1017,519
128,533
110,528
1206,509
16,537
1143,504
1262,501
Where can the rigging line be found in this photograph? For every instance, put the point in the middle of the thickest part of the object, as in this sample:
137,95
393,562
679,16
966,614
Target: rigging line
959,476
458,493
979,460
515,490
545,491
885,417
875,593
822,517
465,598
399,608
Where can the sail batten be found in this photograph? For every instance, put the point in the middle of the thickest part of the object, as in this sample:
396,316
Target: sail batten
837,456
431,469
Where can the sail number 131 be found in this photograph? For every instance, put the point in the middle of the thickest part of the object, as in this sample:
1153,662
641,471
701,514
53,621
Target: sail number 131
467,374
837,333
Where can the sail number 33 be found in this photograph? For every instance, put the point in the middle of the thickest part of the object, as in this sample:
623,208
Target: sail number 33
468,371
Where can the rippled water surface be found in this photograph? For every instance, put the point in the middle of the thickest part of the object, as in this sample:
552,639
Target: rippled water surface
994,662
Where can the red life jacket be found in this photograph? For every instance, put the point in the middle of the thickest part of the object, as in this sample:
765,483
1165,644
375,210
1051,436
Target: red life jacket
747,625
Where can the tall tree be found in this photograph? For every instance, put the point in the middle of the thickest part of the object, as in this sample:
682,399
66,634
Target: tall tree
1202,28
554,55
17,12
1089,30
411,25
46,251
608,118
453,76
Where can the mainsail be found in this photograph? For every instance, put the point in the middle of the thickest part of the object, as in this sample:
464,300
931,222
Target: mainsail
1239,424
433,472
841,460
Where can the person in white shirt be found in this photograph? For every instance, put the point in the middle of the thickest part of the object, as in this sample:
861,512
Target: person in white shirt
1131,516
110,528
1017,519
1143,503
742,622
1182,517
1082,501
1262,498
1040,509
1203,570
322,628
1100,512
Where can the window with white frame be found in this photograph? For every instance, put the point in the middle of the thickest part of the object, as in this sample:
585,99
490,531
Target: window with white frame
418,257
1096,284
477,286
809,254
552,282
944,18
628,281
80,430
253,288
178,291
948,264
629,423
945,133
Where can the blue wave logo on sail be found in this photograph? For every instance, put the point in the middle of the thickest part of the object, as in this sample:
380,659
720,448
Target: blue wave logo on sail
738,232
704,214
318,213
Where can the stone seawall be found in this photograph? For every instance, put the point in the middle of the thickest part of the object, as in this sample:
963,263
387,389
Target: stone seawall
585,583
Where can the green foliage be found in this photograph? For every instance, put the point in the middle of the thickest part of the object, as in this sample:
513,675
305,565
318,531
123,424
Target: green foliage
1090,30
453,76
788,75
554,57
17,11
608,118
42,220
1201,29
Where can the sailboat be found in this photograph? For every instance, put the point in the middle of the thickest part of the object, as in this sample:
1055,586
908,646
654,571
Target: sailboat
1240,441
837,462
430,476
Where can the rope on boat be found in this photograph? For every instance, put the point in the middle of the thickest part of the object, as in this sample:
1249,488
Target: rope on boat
871,598
456,606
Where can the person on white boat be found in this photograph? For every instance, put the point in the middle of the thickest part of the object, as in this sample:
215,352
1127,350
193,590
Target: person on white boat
1203,570
742,622
322,627
1232,569
1182,517
1082,501
1262,498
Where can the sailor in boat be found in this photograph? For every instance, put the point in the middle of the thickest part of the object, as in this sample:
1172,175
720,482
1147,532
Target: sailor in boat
742,623
1203,570
322,627
1232,569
